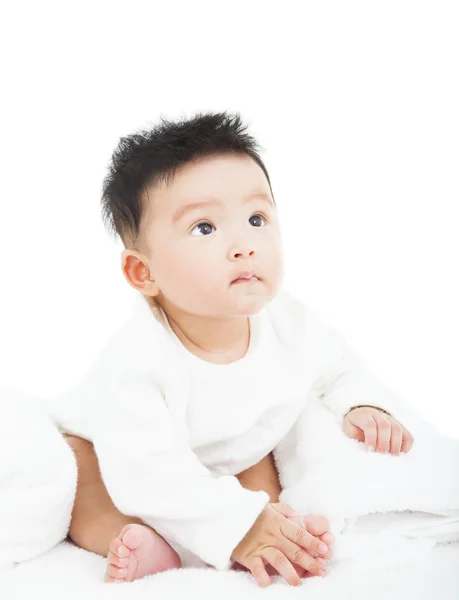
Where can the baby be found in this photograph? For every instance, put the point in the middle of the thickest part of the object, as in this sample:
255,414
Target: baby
186,403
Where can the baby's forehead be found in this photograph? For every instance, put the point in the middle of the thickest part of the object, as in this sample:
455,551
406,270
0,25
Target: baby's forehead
234,174
177,203
222,182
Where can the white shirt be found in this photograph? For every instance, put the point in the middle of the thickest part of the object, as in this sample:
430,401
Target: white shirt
171,430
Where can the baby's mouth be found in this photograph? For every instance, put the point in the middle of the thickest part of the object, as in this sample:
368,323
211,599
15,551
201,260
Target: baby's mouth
252,279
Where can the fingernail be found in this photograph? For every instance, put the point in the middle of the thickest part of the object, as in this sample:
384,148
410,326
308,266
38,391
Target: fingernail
323,548
323,572
371,448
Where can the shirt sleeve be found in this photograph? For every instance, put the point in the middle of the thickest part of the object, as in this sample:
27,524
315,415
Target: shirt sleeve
150,472
343,380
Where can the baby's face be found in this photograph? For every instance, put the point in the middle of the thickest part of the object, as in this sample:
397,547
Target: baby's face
195,253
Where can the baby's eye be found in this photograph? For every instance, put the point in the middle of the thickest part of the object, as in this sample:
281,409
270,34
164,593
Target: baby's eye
207,225
202,224
257,217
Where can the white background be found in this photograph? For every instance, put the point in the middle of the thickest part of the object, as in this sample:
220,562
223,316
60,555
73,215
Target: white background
356,107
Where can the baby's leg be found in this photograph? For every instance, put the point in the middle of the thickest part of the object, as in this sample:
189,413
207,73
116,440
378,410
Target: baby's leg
133,549
262,476
95,519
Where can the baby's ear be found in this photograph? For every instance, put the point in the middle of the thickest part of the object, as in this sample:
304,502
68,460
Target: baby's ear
137,273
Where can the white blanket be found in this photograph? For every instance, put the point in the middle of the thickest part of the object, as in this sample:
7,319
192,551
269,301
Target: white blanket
395,520
384,510
37,480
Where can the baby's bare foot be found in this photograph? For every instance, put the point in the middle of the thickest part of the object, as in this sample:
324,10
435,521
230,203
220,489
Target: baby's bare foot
139,551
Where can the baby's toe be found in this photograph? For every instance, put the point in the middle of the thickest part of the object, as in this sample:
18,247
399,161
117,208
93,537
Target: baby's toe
108,579
113,559
117,547
117,573
133,537
328,539
317,525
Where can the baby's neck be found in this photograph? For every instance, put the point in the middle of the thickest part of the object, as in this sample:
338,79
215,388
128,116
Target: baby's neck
227,356
207,347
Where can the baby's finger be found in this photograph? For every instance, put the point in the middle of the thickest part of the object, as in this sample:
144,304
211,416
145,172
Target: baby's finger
258,570
384,432
282,565
315,524
300,571
408,440
371,431
298,556
396,437
301,537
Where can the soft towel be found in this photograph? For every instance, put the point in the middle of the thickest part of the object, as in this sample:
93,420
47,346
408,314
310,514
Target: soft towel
37,480
383,509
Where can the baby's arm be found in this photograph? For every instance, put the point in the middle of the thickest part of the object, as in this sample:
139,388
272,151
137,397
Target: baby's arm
342,379
150,471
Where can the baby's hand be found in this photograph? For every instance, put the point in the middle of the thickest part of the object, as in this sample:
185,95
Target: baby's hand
318,526
276,540
379,431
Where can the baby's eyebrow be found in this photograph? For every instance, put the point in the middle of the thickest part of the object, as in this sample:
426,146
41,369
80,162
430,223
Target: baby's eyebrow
182,210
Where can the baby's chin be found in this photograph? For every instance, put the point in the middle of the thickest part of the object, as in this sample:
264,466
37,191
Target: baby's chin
236,303
250,304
